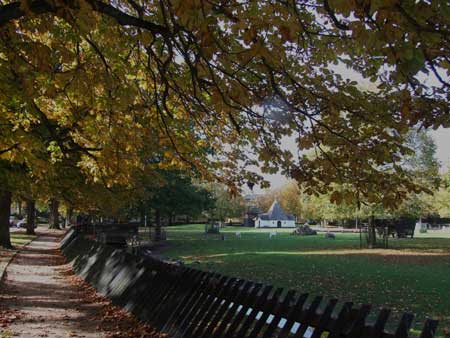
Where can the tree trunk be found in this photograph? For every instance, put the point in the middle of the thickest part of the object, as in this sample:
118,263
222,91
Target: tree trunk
142,218
5,212
170,219
69,215
53,220
157,236
371,233
19,208
31,216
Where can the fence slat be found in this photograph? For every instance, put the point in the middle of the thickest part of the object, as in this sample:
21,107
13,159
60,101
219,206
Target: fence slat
378,328
181,311
211,291
183,297
178,293
404,326
278,313
267,310
221,310
217,298
231,311
205,328
324,319
154,286
307,316
293,312
429,328
231,332
359,324
341,321
202,296
258,303
165,304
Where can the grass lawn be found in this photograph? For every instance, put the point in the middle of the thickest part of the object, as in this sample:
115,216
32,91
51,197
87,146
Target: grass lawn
413,275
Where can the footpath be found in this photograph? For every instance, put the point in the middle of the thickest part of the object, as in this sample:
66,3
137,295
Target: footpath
41,297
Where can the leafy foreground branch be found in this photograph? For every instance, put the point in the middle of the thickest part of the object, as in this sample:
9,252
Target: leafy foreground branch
97,95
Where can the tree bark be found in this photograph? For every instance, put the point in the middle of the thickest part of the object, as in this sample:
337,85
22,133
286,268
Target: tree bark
19,208
69,215
5,212
371,233
53,220
157,236
31,216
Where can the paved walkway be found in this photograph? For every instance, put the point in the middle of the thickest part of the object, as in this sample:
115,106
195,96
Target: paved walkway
37,298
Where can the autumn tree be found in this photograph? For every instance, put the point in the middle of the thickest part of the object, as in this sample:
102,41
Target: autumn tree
225,204
168,194
424,167
214,85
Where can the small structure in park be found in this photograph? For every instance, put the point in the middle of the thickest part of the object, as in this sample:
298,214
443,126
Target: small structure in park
304,230
212,228
275,218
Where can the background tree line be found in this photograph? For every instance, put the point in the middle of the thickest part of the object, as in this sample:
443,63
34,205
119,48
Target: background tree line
422,162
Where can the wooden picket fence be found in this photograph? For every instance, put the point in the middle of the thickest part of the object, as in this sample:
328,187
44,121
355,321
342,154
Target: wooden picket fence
186,302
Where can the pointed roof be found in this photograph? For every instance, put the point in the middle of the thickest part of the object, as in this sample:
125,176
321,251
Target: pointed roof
276,213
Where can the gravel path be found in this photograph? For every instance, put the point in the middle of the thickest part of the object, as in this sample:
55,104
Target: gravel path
37,299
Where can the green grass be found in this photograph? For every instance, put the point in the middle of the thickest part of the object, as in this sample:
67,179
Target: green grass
412,275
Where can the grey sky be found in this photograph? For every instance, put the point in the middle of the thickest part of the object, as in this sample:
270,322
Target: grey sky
440,136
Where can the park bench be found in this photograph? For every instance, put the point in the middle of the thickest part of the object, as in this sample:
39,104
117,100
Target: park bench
116,234
400,228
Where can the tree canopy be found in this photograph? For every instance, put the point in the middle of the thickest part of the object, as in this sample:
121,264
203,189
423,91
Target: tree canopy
215,86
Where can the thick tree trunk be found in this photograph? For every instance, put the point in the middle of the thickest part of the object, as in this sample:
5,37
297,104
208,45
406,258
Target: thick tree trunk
371,234
5,212
157,236
53,220
31,216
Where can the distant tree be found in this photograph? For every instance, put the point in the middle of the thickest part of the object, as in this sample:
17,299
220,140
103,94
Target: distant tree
442,196
422,160
424,166
290,198
172,193
226,205
265,200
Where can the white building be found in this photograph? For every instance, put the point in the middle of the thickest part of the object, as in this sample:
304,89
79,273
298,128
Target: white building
275,218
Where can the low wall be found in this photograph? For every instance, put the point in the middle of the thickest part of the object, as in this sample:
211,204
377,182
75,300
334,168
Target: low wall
185,302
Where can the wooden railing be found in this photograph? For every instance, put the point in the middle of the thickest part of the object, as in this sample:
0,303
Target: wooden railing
186,302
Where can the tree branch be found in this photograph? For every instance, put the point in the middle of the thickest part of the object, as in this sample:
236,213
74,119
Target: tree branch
332,16
4,151
13,11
